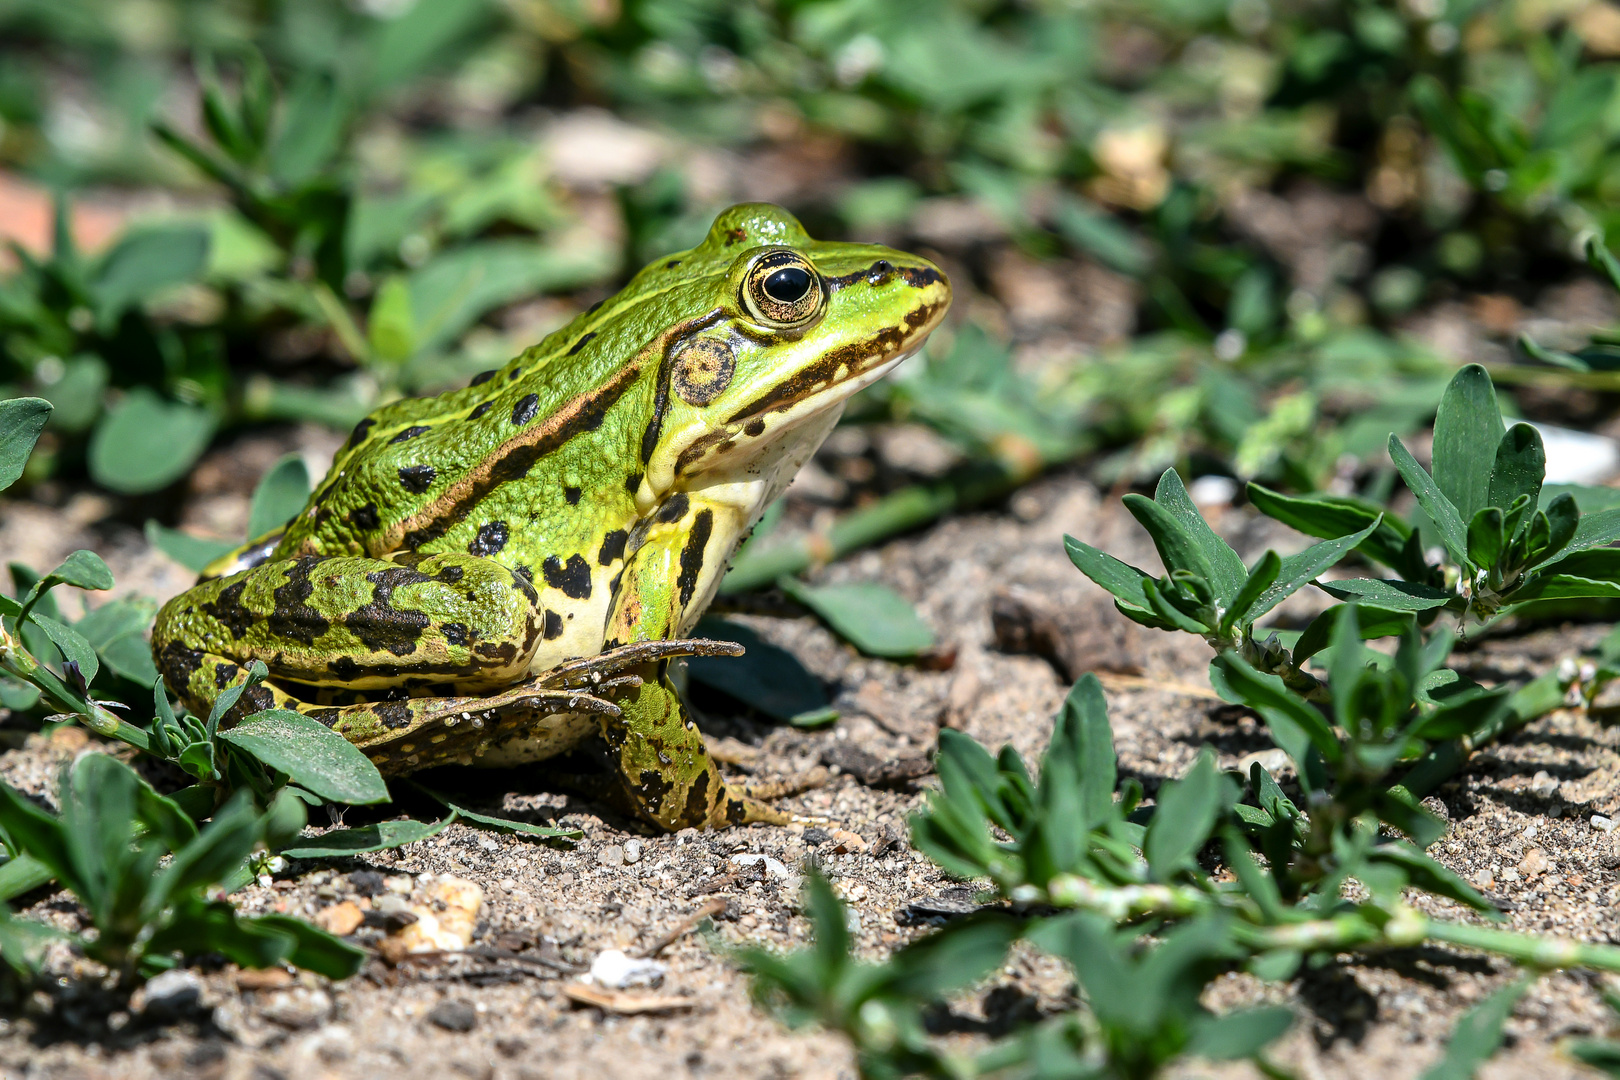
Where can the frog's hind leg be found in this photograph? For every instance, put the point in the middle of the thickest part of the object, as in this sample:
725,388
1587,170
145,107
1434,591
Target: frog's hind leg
399,735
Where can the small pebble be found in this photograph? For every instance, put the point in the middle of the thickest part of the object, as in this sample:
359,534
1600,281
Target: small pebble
366,882
815,836
1602,824
632,851
400,884
612,855
453,1016
616,971
390,904
171,993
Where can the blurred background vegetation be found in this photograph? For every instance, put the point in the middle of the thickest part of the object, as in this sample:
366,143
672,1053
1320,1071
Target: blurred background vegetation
1244,237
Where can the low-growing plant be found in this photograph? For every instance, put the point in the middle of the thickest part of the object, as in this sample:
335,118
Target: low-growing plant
145,872
1140,917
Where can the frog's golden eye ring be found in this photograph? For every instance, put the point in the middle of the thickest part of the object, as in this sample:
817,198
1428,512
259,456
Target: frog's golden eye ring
782,289
702,370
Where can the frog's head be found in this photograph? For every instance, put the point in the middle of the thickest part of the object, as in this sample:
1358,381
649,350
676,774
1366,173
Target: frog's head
791,327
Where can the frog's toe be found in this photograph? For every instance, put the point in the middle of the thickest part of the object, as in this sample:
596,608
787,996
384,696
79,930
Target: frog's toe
793,785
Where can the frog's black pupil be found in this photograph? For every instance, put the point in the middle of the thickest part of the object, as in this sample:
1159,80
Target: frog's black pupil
788,284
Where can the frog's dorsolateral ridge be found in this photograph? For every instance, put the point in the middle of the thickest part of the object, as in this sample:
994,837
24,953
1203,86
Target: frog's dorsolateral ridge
501,573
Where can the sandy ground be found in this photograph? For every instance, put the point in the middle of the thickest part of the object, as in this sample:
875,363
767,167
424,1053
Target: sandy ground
1521,830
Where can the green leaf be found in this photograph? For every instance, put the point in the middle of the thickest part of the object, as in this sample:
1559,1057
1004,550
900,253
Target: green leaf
765,677
874,618
1120,579
1240,1034
1467,433
311,754
1329,517
1388,594
1486,537
456,288
1521,465
191,552
1187,811
81,569
1294,724
74,647
386,834
1298,570
314,949
390,329
129,656
1564,587
1441,510
524,828
145,443
1376,622
144,263
1082,729
1261,577
1478,1034
279,496
38,835
21,421
1227,572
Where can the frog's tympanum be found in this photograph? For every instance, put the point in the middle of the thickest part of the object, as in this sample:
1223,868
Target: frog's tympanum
502,573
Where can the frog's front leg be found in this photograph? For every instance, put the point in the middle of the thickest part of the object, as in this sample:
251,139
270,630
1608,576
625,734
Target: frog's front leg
666,771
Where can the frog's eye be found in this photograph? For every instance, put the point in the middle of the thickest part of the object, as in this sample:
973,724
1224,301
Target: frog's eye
781,289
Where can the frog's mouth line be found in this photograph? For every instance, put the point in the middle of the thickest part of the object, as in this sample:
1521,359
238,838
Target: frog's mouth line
725,439
861,358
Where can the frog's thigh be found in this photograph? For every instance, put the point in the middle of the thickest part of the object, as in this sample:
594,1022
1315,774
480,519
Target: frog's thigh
666,771
399,736
355,622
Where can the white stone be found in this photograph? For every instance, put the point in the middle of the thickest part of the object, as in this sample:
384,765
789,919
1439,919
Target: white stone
774,867
1602,824
616,971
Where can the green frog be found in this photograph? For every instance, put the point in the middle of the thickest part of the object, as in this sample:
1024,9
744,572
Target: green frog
504,572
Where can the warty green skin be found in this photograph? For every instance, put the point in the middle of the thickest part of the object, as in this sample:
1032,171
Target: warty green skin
581,500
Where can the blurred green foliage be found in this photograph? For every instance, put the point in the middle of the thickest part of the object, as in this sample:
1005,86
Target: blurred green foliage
360,187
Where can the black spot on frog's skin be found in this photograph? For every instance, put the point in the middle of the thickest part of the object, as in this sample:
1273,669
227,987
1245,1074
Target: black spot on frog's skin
227,608
329,717
492,537
653,788
572,494
365,517
409,433
754,428
632,482
672,264
393,714
697,801
526,409
736,811
502,652
224,674
480,409
594,308
360,431
455,633
482,377
179,663
344,668
692,554
517,373
673,509
293,619
381,626
612,546
417,478
450,574
553,627
572,580
581,343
